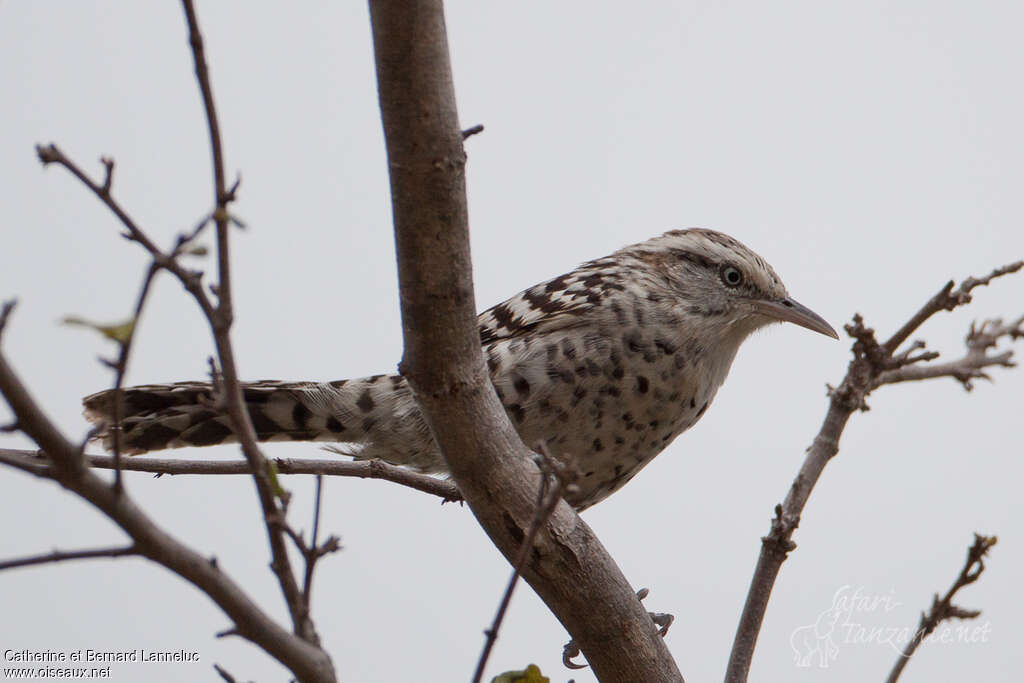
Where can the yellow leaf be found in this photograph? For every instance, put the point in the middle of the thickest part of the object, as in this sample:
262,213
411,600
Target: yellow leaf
119,332
530,674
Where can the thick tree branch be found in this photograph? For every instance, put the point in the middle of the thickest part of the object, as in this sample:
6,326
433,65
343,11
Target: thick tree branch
867,371
943,608
569,568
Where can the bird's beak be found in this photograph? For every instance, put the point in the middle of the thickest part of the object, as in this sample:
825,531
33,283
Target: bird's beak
787,310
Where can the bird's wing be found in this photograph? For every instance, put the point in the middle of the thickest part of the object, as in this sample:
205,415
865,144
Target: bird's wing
553,305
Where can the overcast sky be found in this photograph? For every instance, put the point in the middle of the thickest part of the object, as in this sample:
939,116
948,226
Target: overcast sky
869,151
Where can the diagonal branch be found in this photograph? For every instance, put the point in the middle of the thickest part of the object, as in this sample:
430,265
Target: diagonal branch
220,320
192,280
569,569
548,495
871,361
947,299
944,609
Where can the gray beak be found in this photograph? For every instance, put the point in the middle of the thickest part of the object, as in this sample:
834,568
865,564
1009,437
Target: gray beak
787,310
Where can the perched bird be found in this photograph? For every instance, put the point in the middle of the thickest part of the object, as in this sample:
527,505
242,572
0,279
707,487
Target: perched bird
605,365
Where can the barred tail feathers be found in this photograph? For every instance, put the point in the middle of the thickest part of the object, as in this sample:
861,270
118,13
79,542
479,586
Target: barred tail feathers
376,415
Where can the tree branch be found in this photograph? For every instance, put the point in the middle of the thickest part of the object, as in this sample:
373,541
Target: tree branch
34,463
867,371
569,568
220,320
979,340
63,555
943,609
27,461
192,280
67,467
125,348
548,495
946,300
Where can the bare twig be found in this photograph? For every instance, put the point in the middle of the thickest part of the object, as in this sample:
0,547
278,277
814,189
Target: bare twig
121,365
315,550
192,280
363,469
548,494
867,371
947,299
221,320
228,678
943,609
979,340
5,312
472,130
63,555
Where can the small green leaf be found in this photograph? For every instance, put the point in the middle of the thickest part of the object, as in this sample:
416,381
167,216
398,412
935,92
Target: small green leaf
197,250
530,674
119,332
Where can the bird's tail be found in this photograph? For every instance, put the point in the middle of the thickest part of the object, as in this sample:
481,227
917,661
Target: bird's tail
160,416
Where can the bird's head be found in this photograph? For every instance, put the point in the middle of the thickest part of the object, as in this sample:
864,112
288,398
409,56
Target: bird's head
717,279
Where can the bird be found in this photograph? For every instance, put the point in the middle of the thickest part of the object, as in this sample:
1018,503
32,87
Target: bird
602,367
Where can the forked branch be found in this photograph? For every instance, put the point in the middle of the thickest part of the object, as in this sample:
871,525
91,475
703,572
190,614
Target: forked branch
943,609
873,365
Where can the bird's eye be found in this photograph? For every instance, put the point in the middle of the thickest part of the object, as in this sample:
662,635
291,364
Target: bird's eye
731,276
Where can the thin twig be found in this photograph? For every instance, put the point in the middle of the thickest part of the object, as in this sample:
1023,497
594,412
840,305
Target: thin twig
5,312
64,555
979,340
363,469
228,678
548,494
944,609
192,280
947,299
307,583
121,365
220,321
871,361
472,130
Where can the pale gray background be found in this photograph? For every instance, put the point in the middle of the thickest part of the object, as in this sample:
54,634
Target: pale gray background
868,150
